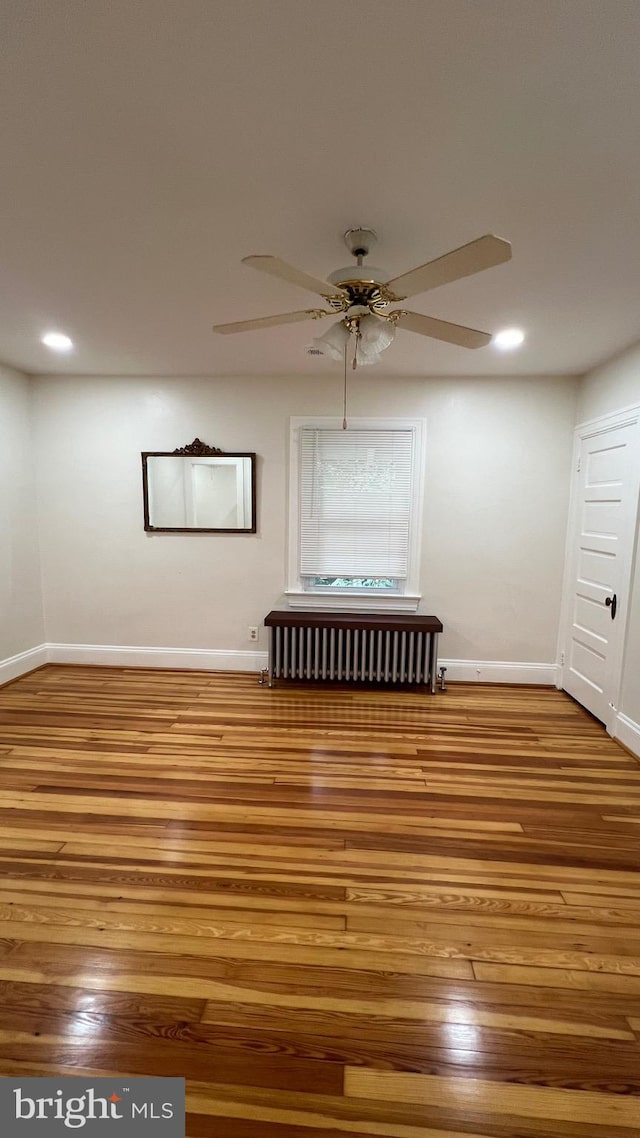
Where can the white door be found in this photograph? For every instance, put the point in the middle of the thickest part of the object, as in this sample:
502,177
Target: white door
599,565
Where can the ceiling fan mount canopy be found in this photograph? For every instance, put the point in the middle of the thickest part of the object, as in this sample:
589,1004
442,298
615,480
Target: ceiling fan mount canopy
360,240
364,294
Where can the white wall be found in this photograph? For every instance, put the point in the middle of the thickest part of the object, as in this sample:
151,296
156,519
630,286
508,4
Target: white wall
498,461
21,620
612,387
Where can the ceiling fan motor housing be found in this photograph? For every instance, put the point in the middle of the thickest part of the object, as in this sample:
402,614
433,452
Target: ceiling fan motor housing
361,287
365,274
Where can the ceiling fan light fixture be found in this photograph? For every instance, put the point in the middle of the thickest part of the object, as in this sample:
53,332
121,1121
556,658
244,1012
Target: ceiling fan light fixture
376,334
334,341
365,358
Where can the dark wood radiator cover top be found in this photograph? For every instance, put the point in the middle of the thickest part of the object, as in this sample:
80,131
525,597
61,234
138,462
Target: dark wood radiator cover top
385,622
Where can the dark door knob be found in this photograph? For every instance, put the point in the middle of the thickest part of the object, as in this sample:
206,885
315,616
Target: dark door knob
612,603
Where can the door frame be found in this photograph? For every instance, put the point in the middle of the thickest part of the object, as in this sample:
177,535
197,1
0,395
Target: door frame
626,417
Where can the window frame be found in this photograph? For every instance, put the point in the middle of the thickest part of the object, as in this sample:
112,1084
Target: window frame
355,600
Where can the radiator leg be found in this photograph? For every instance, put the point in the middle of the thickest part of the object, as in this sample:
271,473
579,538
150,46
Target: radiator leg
271,658
441,674
433,660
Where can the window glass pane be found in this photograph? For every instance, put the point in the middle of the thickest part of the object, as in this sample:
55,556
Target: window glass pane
354,583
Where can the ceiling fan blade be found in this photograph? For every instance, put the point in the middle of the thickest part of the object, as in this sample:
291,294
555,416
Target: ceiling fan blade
442,330
278,268
481,254
271,321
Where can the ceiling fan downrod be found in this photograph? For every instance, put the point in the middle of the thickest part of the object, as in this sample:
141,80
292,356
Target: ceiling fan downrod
359,242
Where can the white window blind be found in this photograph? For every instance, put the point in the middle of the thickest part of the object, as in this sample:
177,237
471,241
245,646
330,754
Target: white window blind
355,502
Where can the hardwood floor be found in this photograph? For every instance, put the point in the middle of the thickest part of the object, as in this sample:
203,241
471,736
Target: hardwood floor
336,911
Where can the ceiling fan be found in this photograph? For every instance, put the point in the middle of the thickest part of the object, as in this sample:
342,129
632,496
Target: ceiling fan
364,295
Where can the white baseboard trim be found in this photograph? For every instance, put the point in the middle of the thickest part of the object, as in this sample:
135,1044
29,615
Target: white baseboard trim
628,732
15,666
117,655
223,660
499,672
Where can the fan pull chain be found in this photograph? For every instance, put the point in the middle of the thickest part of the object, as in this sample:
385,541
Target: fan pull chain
344,403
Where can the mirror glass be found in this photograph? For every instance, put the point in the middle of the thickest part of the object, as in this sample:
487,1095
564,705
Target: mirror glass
199,492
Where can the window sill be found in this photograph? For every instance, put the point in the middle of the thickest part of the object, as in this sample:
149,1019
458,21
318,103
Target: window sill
369,601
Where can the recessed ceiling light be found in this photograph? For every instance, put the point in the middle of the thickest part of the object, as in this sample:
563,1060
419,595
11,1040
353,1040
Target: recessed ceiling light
509,338
58,341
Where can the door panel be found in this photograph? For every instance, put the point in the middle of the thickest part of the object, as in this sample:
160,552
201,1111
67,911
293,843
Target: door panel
604,464
591,614
588,663
601,519
596,567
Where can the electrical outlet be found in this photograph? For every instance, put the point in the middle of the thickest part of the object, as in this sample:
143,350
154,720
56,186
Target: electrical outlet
253,632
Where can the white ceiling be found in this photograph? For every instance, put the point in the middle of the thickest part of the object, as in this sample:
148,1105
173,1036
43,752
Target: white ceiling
148,145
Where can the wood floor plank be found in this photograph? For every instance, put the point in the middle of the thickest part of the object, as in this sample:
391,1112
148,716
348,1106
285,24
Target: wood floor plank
334,909
558,978
601,901
240,948
594,942
16,998
28,845
423,1012
186,915
501,1098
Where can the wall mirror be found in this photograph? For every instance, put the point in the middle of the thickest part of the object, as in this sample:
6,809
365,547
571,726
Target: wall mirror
199,488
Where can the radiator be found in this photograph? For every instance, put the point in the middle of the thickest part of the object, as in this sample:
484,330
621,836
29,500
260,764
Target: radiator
350,648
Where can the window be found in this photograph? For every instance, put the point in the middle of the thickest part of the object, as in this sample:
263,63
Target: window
355,510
